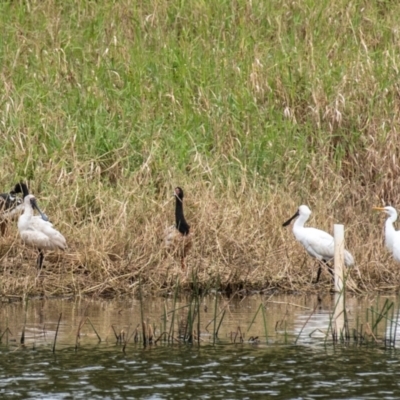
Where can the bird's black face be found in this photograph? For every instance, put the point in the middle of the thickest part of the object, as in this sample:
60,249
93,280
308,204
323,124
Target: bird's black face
17,189
179,193
20,188
291,218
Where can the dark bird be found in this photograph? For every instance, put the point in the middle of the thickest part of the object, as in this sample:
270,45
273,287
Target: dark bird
11,205
178,239
37,231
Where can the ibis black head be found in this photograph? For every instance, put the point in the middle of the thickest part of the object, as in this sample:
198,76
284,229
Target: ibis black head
179,193
20,188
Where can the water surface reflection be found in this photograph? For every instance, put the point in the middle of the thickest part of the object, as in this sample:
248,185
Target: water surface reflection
82,368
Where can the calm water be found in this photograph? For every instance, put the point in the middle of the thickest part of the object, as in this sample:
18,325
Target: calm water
86,369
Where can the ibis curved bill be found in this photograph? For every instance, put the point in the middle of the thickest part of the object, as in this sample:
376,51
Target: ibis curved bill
37,231
392,237
318,244
178,238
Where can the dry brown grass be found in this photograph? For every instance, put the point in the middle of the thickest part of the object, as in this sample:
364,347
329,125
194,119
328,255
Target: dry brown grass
115,236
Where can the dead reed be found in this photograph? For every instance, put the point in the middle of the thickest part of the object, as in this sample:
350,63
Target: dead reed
184,322
239,244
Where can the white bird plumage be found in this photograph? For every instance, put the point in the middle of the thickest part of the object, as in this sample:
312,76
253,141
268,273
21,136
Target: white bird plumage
35,231
392,237
319,244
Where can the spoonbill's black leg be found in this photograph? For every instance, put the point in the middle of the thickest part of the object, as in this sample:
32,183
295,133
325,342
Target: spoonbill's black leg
318,273
320,270
40,259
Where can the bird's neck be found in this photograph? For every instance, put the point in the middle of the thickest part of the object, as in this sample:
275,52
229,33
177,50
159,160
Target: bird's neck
392,218
181,223
389,231
26,217
300,221
28,210
389,227
25,190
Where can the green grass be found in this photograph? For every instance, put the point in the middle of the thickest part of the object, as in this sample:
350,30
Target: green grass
174,80
293,99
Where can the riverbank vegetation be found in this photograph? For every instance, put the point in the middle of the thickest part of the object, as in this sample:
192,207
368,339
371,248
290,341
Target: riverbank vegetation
252,107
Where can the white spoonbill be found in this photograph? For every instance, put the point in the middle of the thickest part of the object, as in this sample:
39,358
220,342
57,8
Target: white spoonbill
392,237
37,231
319,244
178,238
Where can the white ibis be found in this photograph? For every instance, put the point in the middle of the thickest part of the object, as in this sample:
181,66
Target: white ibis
392,237
37,231
319,244
178,238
